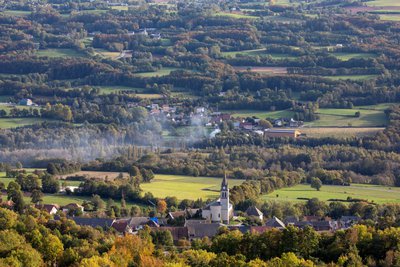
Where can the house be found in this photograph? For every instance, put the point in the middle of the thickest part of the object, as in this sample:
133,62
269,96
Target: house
176,214
320,226
246,126
253,211
122,225
221,209
275,223
201,228
347,221
294,123
7,204
93,222
137,223
73,206
282,133
178,233
199,110
50,208
26,102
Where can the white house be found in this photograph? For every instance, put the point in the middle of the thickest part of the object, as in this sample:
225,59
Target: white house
221,209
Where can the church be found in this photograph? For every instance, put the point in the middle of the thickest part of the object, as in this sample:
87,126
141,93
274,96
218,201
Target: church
220,210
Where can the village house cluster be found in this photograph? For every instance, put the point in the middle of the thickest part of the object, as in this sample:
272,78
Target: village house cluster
205,222
202,116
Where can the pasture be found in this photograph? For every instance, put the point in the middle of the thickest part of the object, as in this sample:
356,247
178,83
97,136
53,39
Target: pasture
345,117
261,114
340,132
186,187
59,52
351,77
348,56
235,15
384,3
257,52
19,122
161,72
372,193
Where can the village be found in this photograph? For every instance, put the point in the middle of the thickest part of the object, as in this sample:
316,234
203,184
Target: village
190,224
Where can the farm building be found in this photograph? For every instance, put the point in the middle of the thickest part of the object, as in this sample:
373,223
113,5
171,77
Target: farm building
25,102
282,133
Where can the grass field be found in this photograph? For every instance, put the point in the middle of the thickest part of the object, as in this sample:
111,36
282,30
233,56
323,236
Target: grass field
351,77
106,53
340,132
260,114
370,116
17,13
393,17
345,117
94,174
257,52
162,72
186,186
347,56
18,122
59,52
383,3
378,194
235,15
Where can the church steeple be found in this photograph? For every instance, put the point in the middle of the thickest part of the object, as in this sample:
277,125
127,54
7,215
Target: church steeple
225,200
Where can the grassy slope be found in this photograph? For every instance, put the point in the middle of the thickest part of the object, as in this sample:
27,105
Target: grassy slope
186,186
378,194
347,56
383,3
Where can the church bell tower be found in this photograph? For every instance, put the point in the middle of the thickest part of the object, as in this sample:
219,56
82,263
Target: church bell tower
225,201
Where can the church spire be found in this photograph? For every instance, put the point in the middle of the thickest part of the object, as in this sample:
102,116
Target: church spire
224,183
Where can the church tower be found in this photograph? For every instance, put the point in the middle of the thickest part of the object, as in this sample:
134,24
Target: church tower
225,201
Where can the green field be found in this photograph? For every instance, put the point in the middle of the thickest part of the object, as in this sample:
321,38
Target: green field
59,52
235,15
186,186
370,116
18,122
383,3
257,52
260,114
393,17
17,13
347,56
351,77
162,72
345,117
375,193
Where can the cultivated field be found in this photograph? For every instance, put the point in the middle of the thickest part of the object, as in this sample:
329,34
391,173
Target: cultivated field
375,193
186,187
59,52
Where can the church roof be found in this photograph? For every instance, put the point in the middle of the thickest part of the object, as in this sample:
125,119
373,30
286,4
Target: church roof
224,182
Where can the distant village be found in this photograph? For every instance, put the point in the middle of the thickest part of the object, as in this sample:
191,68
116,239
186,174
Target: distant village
202,116
192,224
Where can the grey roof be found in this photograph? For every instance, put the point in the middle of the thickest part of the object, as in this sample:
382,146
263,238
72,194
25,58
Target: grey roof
94,222
137,221
275,222
200,230
253,211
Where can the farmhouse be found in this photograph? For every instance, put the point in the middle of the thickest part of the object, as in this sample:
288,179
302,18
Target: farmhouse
50,208
282,133
221,209
25,102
